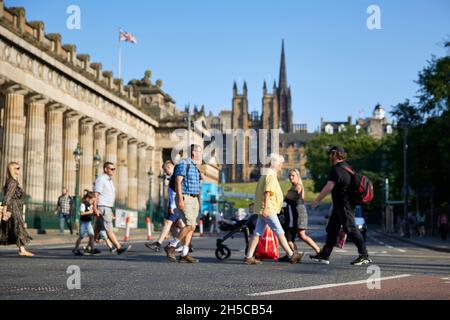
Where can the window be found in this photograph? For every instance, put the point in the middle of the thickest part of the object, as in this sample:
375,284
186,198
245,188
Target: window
329,129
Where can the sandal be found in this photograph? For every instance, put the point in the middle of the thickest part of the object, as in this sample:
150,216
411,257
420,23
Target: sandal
26,254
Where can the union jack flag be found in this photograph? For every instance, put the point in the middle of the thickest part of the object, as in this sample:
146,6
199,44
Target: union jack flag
126,36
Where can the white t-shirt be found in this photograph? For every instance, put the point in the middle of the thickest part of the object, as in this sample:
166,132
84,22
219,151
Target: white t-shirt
107,193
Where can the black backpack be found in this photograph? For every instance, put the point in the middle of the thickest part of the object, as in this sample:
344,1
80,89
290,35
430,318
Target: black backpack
363,186
172,182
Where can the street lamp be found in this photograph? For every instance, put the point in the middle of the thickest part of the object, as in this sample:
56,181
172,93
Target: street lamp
150,202
77,153
162,176
97,161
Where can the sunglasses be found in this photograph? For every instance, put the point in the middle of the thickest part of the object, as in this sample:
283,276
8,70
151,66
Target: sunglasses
112,169
18,168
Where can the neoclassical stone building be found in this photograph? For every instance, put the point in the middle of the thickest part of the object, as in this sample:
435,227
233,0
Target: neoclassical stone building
52,99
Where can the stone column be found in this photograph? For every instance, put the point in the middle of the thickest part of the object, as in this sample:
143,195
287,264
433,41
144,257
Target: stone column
13,143
100,145
122,170
87,159
155,181
132,201
34,174
111,152
71,133
53,153
143,178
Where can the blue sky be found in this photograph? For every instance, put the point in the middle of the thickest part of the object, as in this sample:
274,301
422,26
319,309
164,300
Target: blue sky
336,66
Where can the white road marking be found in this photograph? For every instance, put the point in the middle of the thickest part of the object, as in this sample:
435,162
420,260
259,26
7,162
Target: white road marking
401,250
324,286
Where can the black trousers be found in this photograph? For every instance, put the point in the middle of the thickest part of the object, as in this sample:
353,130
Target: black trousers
344,217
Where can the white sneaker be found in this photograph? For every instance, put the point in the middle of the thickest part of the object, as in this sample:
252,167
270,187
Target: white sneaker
179,249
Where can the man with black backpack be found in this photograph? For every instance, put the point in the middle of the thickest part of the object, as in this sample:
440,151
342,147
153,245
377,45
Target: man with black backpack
347,188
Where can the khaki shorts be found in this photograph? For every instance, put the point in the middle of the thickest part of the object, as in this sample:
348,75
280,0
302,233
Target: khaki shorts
191,210
107,214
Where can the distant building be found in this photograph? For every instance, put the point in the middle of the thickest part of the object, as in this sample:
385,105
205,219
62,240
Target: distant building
376,126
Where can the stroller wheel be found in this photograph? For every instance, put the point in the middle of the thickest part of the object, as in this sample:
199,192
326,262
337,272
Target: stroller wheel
223,252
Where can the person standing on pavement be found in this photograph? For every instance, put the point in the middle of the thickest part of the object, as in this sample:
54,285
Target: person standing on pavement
173,219
342,187
12,226
188,198
295,214
443,225
64,210
268,203
105,193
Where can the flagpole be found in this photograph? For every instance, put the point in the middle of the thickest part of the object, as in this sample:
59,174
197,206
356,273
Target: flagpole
119,68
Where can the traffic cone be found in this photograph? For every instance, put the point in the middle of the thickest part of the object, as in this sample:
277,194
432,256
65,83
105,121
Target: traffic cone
127,232
149,228
201,227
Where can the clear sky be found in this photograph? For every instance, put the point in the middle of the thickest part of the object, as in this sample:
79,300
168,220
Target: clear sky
336,66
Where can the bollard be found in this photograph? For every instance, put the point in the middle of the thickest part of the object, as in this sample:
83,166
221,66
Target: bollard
127,232
201,227
149,228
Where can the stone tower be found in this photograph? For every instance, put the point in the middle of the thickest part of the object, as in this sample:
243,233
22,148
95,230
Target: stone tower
284,96
240,120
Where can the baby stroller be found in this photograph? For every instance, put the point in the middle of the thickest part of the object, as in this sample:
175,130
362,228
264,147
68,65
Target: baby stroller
246,226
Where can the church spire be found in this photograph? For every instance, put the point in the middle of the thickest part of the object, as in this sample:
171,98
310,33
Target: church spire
283,77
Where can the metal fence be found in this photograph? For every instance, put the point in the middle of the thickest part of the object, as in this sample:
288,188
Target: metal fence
41,215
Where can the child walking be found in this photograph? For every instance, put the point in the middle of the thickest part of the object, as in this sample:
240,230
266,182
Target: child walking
86,229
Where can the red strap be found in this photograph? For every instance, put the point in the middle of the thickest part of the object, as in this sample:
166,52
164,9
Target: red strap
349,169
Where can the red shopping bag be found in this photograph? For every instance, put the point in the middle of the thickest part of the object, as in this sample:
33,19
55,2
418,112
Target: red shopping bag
342,236
268,245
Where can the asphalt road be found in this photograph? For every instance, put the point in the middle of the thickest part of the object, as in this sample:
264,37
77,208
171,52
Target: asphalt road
406,272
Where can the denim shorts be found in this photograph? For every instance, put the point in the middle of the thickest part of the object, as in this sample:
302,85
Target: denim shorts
175,216
86,229
272,221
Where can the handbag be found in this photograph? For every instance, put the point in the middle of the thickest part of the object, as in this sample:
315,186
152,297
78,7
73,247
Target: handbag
342,236
268,245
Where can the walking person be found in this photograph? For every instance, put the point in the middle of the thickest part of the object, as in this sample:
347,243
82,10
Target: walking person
443,225
86,230
188,197
295,214
342,187
421,219
268,203
64,210
105,193
172,221
12,226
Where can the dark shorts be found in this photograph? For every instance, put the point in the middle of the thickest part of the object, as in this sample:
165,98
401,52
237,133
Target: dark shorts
173,217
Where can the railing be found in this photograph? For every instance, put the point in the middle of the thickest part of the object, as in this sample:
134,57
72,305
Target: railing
42,215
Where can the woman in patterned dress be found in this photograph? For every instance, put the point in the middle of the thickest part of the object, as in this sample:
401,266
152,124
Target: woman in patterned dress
12,227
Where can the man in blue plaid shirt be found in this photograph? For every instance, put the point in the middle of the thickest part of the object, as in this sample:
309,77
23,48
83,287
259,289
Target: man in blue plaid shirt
188,190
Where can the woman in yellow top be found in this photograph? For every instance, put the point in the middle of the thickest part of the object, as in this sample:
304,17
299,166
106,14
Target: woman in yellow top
268,203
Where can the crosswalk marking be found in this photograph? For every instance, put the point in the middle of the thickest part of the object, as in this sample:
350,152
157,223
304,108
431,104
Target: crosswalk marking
325,286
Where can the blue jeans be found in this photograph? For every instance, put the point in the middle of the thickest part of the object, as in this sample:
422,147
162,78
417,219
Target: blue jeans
65,218
272,221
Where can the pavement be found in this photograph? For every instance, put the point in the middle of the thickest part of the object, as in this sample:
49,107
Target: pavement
431,242
400,270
